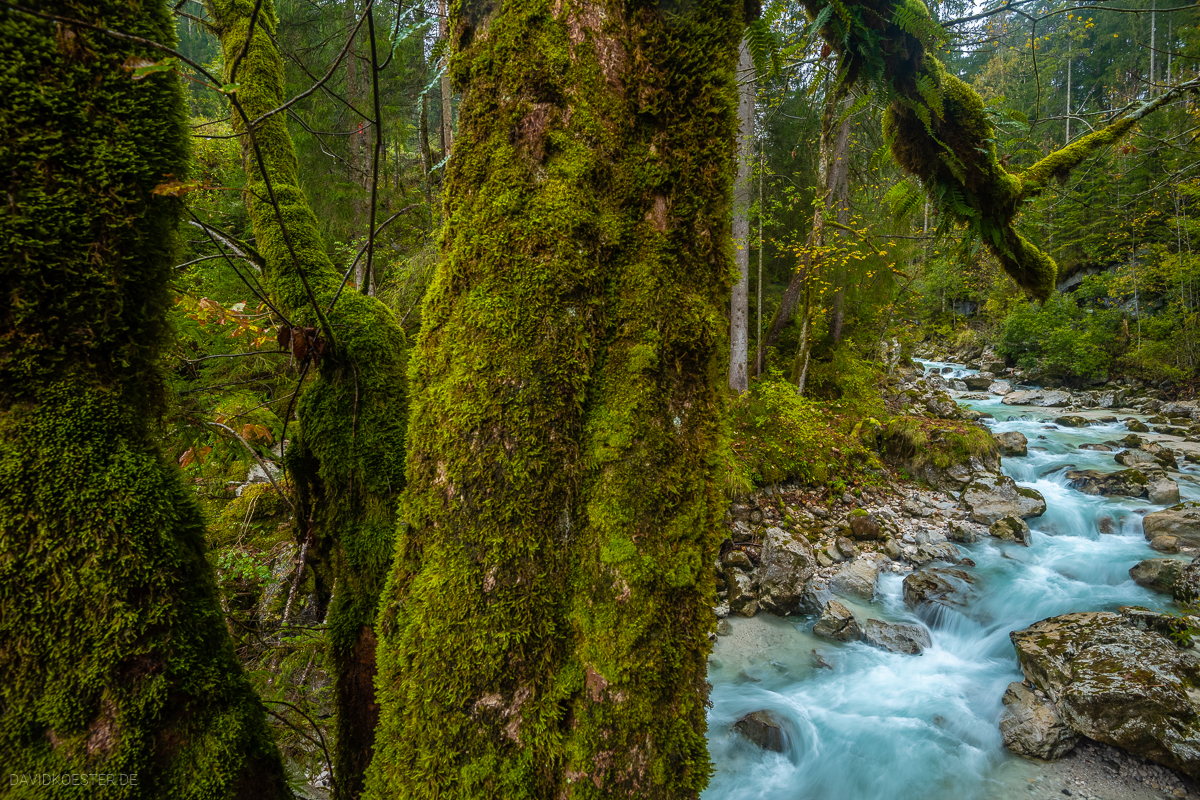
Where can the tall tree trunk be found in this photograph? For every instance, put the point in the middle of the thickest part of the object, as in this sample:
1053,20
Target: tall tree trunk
357,160
447,90
835,152
115,655
348,463
545,628
739,304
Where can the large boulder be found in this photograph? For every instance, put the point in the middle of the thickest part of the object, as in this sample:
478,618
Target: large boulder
991,497
816,595
1126,483
947,586
1053,399
1186,588
1118,679
764,729
1072,421
864,526
1032,727
1000,388
1011,529
837,622
786,564
1012,443
1143,458
1158,574
936,551
897,637
856,579
1181,521
1022,398
742,598
979,381
1163,492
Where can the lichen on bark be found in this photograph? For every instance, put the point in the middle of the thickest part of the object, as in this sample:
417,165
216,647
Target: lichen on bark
115,659
545,627
348,462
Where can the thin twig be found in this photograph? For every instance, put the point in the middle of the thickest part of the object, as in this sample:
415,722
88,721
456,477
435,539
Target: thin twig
366,287
258,459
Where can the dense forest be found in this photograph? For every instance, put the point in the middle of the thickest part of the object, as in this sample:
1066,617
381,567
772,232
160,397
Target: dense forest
404,399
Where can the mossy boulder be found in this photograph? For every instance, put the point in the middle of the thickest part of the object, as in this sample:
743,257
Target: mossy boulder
1181,521
1071,421
1011,529
992,497
1126,483
1158,574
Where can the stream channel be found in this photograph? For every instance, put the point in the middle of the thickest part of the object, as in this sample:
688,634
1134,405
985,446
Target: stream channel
885,726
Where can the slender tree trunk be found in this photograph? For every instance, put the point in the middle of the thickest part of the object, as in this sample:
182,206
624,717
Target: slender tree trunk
115,655
447,89
835,149
739,305
545,628
758,290
348,462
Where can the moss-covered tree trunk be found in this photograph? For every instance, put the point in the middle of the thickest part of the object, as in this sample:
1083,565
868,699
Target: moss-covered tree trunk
115,660
545,628
349,461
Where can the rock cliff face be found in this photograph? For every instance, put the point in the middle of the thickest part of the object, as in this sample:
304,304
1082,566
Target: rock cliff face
1119,678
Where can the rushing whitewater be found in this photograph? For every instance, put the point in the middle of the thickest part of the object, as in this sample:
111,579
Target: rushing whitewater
884,726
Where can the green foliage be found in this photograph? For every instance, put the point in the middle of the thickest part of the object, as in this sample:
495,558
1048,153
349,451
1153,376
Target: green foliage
916,442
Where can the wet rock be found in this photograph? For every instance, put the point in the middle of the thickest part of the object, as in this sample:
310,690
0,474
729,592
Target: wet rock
1099,448
1116,679
1186,588
856,579
838,623
991,497
892,549
864,527
1126,483
1163,492
1011,529
1158,574
1137,426
979,381
723,627
940,586
961,532
1032,727
786,564
936,551
1181,521
1000,388
742,598
816,594
763,729
897,637
1071,421
1012,443
1136,459
1022,398
1165,544
1106,524
1053,399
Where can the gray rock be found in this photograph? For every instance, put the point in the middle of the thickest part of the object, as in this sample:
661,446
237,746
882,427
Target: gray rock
1137,426
764,729
864,527
723,627
962,532
1126,483
1117,679
1053,399
847,548
1099,448
1012,443
1138,459
892,548
912,508
1181,521
737,559
1158,574
1186,588
980,380
1011,529
946,586
1032,727
786,564
816,595
1000,388
1163,492
958,385
742,598
1165,544
897,637
856,579
936,551
1022,398
838,623
991,497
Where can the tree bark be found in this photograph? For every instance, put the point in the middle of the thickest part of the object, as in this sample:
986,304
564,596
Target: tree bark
544,633
115,655
447,90
739,304
835,151
348,461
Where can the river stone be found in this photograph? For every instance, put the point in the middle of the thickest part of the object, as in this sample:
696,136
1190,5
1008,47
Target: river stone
1137,426
864,527
1158,574
1126,483
1021,398
1136,458
741,598
941,585
723,627
856,579
847,548
1163,492
891,548
1165,544
1181,521
1072,421
1011,529
1012,443
764,729
1032,727
1187,586
1000,388
991,497
1114,681
1099,448
978,381
737,559
961,532
838,623
1053,399
936,551
897,637
786,564
816,595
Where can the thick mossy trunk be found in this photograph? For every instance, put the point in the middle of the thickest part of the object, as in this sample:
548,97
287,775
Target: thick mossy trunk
115,657
545,627
349,462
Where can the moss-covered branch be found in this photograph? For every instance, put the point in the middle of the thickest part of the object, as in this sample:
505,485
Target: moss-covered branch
115,656
349,461
544,630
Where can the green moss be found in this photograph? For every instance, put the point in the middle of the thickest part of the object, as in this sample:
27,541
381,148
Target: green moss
916,442
348,464
116,658
545,624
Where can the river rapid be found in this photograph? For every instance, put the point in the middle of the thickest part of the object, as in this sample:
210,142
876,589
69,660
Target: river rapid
884,726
